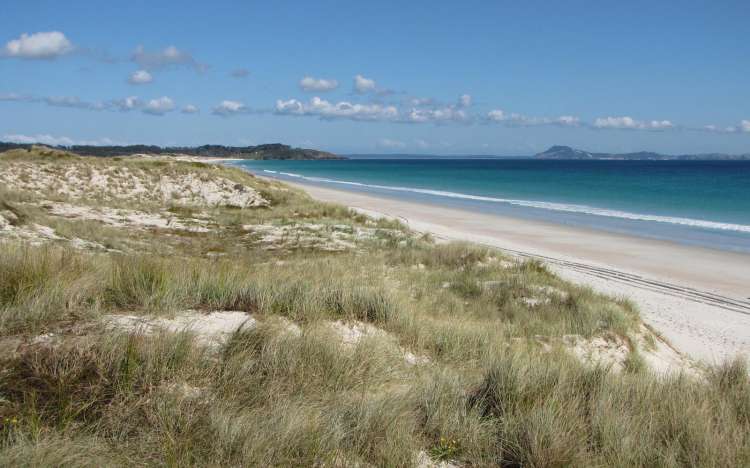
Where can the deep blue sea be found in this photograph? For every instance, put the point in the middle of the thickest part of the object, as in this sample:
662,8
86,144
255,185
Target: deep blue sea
704,203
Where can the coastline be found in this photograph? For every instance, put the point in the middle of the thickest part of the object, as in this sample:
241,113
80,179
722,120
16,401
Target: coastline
695,297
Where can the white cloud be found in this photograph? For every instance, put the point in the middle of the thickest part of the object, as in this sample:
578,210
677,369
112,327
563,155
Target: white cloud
465,100
520,120
292,106
159,106
227,108
715,129
628,123
190,109
364,85
54,141
567,121
240,73
126,104
391,144
41,45
498,115
169,57
140,77
309,83
742,127
340,110
443,114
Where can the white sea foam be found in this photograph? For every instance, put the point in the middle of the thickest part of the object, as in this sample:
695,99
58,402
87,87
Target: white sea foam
564,207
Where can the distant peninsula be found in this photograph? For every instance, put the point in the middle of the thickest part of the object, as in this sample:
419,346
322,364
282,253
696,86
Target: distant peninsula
566,152
267,151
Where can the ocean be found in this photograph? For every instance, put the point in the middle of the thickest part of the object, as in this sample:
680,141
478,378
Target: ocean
704,203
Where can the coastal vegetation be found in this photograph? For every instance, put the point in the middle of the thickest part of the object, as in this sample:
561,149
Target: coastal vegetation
267,151
164,312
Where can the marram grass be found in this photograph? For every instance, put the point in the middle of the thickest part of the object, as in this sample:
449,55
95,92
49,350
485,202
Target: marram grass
486,394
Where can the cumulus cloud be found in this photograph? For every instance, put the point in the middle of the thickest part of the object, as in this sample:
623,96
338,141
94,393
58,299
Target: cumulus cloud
159,106
140,77
441,114
240,73
717,129
50,140
169,57
520,120
126,104
364,85
465,100
227,108
374,111
628,123
309,83
567,121
387,143
742,127
190,109
41,45
339,110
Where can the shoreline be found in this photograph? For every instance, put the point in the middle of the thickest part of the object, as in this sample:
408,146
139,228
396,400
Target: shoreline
697,298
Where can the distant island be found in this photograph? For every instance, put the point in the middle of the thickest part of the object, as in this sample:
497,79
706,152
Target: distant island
267,151
566,152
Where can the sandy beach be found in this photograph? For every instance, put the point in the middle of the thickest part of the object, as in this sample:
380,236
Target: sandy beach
697,298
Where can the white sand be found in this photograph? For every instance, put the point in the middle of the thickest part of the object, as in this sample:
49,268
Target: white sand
80,180
125,218
352,332
36,234
697,298
212,329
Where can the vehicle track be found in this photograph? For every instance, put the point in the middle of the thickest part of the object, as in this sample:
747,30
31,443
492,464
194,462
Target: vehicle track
684,292
671,289
740,306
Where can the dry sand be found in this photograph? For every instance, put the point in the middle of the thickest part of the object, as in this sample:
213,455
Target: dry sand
697,298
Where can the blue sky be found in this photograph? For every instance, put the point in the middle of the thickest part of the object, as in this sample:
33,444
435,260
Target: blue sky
505,78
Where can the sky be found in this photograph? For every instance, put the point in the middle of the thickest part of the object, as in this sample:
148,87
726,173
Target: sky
431,77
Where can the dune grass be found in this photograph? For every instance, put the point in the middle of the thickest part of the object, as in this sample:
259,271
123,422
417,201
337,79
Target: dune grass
495,384
275,397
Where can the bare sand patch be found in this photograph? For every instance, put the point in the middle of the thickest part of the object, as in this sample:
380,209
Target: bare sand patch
37,234
79,180
352,332
126,218
424,461
614,351
211,330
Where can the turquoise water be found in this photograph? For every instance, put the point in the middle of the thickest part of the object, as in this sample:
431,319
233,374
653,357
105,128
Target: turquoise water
703,203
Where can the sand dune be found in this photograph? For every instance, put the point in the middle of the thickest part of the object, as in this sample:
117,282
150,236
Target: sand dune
698,299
